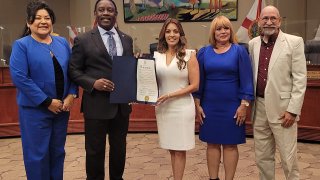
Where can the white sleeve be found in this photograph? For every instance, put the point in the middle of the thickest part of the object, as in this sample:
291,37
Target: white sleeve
188,54
156,54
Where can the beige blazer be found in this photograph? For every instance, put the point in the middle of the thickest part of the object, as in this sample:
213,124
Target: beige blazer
286,81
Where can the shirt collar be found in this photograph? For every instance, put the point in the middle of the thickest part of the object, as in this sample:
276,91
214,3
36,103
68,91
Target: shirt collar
103,31
271,41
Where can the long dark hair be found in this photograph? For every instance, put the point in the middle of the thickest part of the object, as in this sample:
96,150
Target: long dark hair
180,47
32,9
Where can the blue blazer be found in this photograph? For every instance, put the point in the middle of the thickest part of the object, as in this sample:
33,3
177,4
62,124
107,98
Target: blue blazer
32,69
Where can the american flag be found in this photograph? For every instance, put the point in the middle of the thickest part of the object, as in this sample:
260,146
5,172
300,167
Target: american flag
72,34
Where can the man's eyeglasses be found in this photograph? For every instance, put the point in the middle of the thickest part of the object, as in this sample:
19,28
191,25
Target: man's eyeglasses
272,19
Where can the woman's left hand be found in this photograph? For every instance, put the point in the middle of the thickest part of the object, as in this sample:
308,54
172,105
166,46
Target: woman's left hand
241,115
67,103
162,99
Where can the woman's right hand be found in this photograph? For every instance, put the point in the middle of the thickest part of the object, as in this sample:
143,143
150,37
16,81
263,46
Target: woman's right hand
200,114
138,55
142,55
55,106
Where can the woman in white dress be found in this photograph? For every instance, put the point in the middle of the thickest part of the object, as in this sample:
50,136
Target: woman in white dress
178,76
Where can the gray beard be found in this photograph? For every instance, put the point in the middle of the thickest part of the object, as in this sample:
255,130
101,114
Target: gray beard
269,31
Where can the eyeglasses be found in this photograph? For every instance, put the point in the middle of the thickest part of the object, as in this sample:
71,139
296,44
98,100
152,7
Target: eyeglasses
273,19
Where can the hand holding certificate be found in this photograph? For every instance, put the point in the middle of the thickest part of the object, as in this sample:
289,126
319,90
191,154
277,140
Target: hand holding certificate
135,80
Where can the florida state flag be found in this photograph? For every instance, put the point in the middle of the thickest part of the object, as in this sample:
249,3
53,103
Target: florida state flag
249,28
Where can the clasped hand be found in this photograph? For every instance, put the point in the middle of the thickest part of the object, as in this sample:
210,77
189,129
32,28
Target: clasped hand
58,106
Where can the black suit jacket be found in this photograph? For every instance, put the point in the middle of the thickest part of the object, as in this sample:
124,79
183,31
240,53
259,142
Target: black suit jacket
90,61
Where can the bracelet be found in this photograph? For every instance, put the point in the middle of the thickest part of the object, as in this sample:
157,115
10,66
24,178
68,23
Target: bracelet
245,103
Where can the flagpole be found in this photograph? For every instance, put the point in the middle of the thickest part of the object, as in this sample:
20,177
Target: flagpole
2,55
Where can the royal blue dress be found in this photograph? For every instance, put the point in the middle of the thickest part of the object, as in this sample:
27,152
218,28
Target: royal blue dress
225,79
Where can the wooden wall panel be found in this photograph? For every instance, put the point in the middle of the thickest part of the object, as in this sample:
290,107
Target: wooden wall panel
9,125
143,119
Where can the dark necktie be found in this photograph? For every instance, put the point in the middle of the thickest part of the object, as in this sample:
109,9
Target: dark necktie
112,44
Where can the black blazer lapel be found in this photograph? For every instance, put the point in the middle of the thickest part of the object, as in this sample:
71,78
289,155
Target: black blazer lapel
125,40
99,43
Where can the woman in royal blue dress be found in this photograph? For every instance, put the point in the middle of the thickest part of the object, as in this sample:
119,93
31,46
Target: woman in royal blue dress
225,91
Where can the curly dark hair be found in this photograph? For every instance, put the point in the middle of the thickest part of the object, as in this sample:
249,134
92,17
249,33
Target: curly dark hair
180,47
32,9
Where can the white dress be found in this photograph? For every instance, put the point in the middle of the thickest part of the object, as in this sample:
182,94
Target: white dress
176,116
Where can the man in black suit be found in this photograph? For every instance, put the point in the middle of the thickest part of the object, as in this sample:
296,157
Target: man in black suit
90,67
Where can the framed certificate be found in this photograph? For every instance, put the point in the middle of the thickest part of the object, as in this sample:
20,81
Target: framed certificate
135,80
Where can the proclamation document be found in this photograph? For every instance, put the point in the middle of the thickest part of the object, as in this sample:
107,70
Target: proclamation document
147,87
135,80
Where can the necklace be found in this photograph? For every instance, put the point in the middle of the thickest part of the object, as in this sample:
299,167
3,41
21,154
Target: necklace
169,57
46,40
222,48
44,43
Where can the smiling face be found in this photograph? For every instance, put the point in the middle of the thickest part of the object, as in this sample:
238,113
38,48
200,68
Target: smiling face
42,24
221,31
172,35
269,21
106,14
222,34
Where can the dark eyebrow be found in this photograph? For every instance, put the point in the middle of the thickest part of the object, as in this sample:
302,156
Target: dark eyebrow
41,16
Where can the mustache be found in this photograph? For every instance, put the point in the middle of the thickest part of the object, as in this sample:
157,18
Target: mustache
269,26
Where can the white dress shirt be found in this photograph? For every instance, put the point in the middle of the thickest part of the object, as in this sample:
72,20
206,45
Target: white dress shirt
116,37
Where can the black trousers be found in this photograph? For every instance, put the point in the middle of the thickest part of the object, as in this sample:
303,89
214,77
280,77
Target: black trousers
96,131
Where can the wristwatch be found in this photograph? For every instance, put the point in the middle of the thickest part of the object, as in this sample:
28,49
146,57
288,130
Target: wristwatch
246,103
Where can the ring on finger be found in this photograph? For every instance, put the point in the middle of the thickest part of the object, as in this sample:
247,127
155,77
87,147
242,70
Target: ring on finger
104,86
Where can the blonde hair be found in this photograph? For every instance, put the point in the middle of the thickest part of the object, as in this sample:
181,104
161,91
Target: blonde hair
224,22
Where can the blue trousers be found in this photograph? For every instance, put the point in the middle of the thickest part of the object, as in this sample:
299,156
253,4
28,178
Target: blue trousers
43,136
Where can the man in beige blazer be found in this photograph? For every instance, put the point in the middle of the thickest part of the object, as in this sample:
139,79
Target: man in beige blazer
279,68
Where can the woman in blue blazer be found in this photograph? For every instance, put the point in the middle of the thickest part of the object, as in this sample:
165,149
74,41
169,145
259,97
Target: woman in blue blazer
39,69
